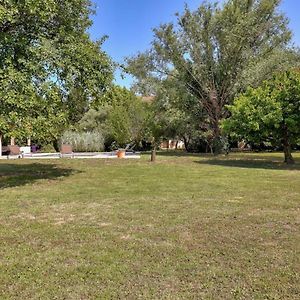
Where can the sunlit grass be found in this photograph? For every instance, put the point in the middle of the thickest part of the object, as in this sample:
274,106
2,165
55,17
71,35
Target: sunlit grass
186,227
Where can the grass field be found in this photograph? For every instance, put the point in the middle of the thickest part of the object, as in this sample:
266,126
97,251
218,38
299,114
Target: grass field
186,227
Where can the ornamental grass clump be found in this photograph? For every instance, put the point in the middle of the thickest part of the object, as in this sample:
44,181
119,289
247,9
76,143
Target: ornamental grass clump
84,141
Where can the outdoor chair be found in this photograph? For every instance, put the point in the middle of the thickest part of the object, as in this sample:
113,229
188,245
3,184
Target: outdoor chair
130,147
66,151
5,150
14,150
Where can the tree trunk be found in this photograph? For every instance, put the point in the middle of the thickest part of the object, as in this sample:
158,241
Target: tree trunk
12,141
55,145
216,129
29,142
186,143
216,142
288,158
153,154
0,145
215,117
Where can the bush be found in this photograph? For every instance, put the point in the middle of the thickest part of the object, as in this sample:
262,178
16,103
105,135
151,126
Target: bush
84,141
48,149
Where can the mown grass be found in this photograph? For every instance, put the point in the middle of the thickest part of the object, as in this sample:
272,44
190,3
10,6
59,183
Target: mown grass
186,227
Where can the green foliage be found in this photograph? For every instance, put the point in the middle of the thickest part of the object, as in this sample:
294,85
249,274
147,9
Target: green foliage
50,70
48,148
28,110
119,125
126,117
94,120
84,141
121,120
214,53
270,112
155,125
175,114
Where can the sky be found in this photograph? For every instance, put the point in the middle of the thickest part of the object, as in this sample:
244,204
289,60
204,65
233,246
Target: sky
129,24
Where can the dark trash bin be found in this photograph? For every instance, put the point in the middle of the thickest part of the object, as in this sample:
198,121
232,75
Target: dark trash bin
34,148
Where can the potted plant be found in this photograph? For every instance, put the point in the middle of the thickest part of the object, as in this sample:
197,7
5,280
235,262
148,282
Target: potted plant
121,153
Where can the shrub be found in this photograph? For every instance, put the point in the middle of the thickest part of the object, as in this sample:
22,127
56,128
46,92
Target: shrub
48,148
84,141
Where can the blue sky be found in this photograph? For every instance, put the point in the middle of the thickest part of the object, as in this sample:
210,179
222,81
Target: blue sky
129,23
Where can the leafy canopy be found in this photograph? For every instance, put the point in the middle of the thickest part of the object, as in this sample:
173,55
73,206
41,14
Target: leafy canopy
119,115
46,58
215,52
270,113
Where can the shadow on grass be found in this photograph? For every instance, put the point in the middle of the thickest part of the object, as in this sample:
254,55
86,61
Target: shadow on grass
181,153
13,175
254,163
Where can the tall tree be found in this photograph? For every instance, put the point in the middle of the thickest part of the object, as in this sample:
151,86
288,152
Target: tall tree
179,113
46,44
269,113
215,50
126,118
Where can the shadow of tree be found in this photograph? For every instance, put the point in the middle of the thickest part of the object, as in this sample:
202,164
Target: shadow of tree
266,163
181,153
13,175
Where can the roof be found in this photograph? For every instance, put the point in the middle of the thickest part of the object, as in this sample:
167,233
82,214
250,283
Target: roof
148,99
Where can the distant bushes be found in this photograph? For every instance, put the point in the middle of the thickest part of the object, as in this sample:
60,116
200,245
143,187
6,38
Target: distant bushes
84,141
48,148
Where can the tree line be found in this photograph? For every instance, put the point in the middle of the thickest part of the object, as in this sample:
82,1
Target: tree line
220,73
199,64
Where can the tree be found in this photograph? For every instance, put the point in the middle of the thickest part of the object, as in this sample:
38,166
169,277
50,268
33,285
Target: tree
27,112
179,113
214,51
47,52
270,112
119,115
94,120
155,126
126,116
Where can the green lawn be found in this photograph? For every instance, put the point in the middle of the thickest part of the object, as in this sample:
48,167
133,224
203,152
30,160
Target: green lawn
187,227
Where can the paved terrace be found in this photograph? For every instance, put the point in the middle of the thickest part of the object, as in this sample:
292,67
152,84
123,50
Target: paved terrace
80,155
